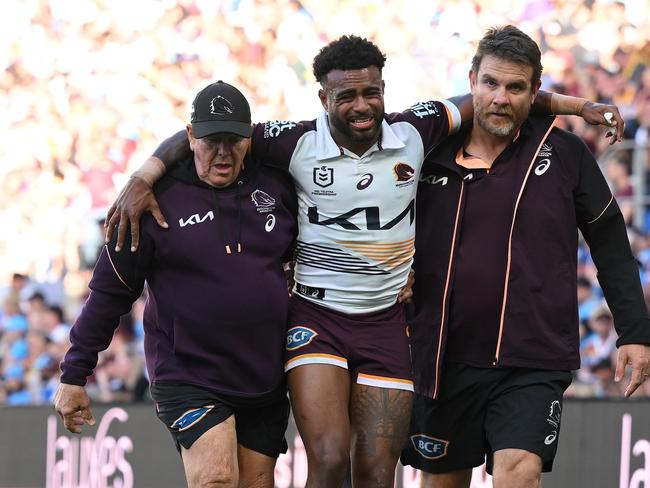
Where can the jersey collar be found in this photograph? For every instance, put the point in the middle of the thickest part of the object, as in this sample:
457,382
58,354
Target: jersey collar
327,148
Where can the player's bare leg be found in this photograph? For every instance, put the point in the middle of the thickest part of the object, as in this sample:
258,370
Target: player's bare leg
212,459
457,479
516,468
255,469
380,421
320,398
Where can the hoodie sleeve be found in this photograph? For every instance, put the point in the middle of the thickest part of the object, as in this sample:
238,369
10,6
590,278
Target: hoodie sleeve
603,227
117,281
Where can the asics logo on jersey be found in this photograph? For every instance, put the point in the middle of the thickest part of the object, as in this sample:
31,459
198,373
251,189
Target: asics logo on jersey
373,221
196,219
270,223
365,181
220,106
544,164
554,414
324,176
191,417
298,337
429,447
403,172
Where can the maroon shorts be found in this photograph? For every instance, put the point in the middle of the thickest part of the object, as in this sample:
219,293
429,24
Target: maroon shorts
374,347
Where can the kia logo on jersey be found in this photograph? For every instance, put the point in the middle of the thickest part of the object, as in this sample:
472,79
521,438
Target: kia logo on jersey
324,176
403,172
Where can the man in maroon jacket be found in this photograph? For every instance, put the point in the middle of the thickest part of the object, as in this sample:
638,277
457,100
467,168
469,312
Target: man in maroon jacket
495,327
215,319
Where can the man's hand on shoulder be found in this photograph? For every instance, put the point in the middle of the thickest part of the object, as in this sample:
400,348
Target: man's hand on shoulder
134,199
73,405
638,356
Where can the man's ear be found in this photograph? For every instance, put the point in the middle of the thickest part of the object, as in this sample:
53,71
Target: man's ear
190,137
322,95
472,81
536,91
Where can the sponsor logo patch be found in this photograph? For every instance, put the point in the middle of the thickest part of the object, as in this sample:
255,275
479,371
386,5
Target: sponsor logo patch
323,176
544,161
191,417
220,106
365,181
403,172
264,203
298,337
429,447
554,415
196,219
276,127
424,109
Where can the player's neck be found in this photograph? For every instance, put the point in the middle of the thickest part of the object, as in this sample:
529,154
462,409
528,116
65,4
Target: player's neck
486,146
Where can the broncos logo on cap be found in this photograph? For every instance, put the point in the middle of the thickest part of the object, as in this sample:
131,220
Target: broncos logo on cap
221,106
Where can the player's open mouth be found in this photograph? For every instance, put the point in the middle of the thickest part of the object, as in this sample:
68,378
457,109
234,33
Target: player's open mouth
362,123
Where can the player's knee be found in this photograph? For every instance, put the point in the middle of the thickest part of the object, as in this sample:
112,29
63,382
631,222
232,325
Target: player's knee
214,477
330,456
518,471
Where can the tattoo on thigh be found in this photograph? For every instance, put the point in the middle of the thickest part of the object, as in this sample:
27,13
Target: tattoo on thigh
380,415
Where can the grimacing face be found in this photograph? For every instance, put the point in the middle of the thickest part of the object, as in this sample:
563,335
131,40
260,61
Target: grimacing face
502,94
354,101
218,158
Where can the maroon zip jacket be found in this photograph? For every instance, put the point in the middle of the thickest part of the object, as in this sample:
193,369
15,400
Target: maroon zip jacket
214,318
559,189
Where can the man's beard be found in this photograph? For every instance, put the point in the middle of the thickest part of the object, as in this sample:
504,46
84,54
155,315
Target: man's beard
370,135
505,128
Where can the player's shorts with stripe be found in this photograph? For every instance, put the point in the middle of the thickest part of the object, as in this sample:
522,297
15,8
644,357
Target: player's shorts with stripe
374,347
483,410
190,411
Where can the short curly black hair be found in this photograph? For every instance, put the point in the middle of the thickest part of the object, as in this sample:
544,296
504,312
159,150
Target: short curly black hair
347,52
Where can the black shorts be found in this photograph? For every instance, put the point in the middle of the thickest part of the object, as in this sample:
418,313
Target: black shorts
190,411
482,410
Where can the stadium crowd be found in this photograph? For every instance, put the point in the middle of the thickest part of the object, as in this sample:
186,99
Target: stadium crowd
89,88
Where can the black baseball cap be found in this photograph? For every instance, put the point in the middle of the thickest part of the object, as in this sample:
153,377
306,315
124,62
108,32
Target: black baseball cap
220,107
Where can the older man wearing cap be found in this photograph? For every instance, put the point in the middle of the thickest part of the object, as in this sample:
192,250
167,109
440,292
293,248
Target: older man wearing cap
215,320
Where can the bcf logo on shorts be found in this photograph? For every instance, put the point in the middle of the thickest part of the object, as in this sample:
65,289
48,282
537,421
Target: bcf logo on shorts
299,336
429,447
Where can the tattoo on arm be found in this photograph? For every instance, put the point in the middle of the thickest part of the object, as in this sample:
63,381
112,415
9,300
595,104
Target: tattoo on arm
173,149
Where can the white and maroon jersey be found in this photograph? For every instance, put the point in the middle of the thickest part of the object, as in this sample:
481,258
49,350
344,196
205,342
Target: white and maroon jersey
356,213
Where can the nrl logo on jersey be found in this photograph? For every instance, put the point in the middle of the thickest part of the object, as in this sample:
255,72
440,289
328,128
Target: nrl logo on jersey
276,127
424,109
324,176
264,203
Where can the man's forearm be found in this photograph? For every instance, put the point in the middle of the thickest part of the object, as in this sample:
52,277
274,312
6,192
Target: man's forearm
173,149
166,155
547,103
